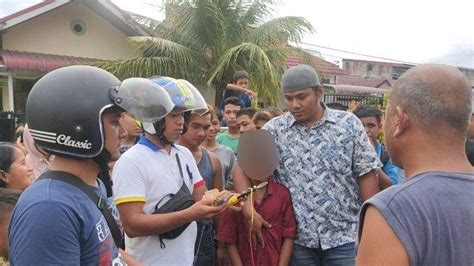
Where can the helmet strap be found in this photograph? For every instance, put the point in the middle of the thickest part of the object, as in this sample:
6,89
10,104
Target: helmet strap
187,118
160,130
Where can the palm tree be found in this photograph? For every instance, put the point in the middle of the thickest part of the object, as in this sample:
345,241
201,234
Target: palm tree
206,41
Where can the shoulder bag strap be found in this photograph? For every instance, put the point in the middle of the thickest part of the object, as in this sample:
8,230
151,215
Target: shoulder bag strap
99,201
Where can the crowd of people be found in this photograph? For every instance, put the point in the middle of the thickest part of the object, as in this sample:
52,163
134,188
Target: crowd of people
145,172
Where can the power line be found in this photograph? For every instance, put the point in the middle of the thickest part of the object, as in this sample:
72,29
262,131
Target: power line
359,54
153,5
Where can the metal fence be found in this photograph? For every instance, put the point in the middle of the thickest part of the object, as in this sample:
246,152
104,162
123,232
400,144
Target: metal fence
345,99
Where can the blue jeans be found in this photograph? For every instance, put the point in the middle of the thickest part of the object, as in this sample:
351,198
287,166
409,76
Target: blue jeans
338,256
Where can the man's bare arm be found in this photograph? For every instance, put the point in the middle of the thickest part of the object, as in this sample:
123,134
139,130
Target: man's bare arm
368,185
137,223
378,244
384,180
285,253
217,178
234,256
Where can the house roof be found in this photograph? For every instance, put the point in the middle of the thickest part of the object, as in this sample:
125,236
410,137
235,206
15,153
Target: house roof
352,89
323,66
15,60
104,8
360,81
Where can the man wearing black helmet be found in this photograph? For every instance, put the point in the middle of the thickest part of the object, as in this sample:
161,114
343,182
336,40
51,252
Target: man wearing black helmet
148,175
63,218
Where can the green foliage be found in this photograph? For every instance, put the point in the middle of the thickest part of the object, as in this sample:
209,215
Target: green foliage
207,40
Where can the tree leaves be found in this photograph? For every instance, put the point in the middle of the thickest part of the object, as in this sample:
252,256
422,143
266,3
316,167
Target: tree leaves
207,40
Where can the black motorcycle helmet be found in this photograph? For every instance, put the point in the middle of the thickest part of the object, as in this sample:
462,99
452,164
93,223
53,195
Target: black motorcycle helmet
64,110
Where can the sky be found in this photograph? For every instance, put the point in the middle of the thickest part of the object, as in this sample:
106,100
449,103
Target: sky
412,31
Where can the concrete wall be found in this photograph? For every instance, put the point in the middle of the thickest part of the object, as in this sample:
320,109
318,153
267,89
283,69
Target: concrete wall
51,33
362,69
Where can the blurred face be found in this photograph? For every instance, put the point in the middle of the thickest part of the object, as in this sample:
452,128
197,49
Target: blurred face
372,128
214,129
114,133
174,124
197,129
20,174
245,123
303,104
244,83
230,114
128,122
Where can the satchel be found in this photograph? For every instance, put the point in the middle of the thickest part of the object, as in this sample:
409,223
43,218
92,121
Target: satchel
178,201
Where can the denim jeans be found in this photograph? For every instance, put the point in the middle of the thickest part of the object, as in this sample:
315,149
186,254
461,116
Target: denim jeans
205,245
338,256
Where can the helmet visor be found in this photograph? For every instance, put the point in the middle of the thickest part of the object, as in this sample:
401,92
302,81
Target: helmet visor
147,101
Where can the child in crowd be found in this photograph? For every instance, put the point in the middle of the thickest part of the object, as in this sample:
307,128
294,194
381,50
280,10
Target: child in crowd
258,158
240,88
230,138
245,119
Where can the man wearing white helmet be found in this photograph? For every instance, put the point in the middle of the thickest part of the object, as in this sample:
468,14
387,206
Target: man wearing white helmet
157,173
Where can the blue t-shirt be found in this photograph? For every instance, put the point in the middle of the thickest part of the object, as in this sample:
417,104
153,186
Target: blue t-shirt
243,96
55,223
389,168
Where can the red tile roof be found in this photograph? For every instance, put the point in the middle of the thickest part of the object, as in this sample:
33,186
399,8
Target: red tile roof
39,62
323,66
360,81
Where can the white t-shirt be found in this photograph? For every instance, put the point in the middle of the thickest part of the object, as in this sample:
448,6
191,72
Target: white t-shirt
146,174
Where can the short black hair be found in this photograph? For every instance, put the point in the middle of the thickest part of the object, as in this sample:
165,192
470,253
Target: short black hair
240,75
364,111
234,101
249,111
8,200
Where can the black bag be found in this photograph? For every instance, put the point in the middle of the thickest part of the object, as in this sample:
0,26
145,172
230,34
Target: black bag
178,201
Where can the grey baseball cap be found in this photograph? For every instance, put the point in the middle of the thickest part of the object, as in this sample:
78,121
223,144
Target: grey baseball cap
299,77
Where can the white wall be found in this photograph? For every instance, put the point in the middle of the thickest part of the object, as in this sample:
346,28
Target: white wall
51,33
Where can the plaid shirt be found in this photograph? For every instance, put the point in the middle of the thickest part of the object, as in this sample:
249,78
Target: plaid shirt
320,166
